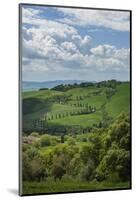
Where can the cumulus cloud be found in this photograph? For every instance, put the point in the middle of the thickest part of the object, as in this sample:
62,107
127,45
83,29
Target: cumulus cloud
53,41
107,57
102,50
46,26
83,44
57,47
69,47
107,51
115,20
29,13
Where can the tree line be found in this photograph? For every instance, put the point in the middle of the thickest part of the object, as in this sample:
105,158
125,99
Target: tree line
109,84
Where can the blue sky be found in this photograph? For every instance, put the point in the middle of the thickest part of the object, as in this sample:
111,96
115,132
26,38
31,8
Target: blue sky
80,44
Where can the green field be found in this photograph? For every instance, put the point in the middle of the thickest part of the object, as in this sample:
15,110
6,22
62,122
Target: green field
83,120
69,186
120,101
40,94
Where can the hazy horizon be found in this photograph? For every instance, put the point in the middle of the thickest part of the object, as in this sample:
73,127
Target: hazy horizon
74,80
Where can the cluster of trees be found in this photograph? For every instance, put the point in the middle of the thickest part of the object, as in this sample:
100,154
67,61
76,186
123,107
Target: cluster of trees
110,92
84,111
110,84
117,144
42,89
65,87
78,98
102,155
84,105
62,99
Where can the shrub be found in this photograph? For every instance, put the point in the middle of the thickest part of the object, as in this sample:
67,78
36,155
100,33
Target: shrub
71,141
58,167
75,165
88,172
83,139
33,168
38,170
45,140
32,152
35,134
26,169
54,140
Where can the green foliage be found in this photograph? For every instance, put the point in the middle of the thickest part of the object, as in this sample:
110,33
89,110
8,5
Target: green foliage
123,166
38,170
26,170
102,155
117,145
87,152
45,140
109,93
32,152
43,89
75,165
33,168
120,131
62,138
58,167
35,134
67,87
88,172
71,141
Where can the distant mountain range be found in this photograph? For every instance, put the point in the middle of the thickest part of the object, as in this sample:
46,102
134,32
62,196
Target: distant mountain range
32,85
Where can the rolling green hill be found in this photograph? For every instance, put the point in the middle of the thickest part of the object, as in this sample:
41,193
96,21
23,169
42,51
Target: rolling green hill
82,106
120,101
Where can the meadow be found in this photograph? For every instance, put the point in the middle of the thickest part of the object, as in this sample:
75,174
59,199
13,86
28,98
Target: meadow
70,186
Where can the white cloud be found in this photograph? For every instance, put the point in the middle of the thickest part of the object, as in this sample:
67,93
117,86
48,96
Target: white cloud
108,51
103,50
68,54
53,41
69,47
55,47
36,65
107,57
29,13
83,44
46,26
102,18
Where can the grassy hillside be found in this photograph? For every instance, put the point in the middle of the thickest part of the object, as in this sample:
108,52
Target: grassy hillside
120,101
82,120
41,94
72,107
